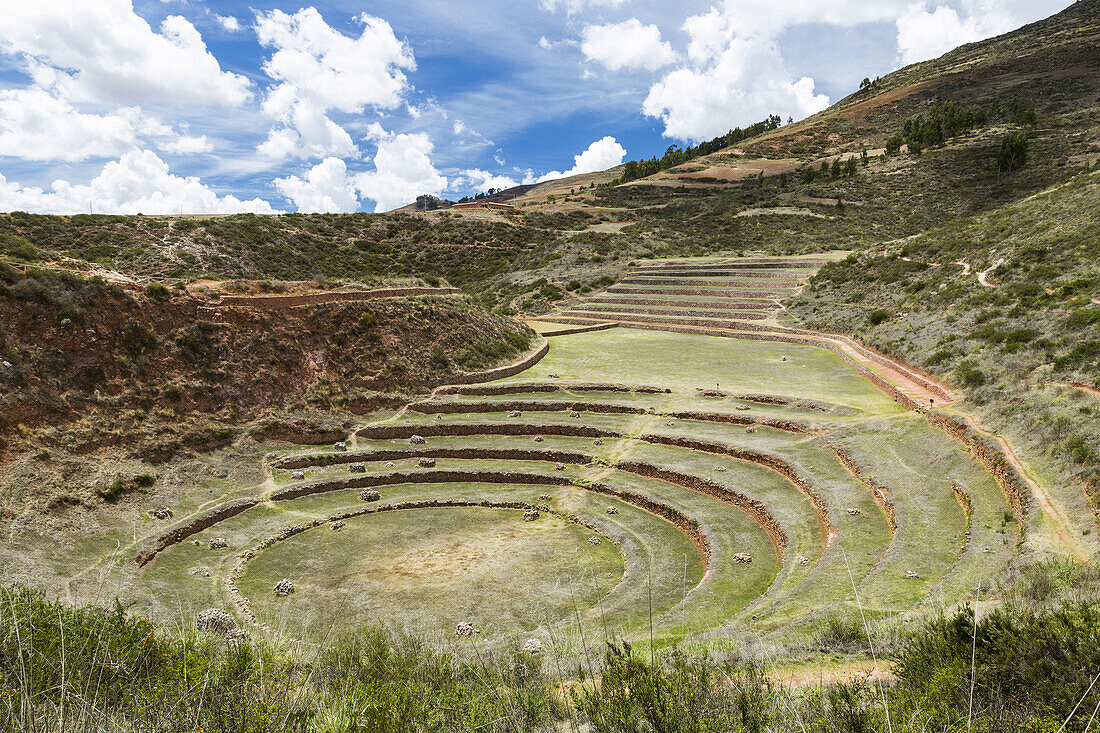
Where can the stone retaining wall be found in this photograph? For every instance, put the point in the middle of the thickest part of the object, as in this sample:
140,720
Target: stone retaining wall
194,526
500,372
279,302
880,492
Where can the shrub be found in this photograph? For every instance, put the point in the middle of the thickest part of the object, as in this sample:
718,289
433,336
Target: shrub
157,292
1013,152
876,317
969,374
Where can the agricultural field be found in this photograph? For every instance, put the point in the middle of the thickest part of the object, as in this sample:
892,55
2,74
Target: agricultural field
664,484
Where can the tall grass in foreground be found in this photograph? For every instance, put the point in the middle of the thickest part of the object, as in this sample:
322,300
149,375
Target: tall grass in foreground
89,669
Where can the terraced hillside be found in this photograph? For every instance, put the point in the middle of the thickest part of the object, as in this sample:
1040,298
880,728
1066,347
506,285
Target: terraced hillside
740,293
631,483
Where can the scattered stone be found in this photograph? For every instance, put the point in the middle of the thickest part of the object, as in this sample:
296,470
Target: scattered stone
215,621
465,628
197,543
668,423
417,440
201,571
553,376
298,475
853,512
720,468
218,543
559,466
532,646
357,468
742,557
7,364
911,575
597,441
612,510
530,514
750,429
574,413
341,446
439,416
803,560
594,540
782,358
543,508
162,512
742,407
283,588
369,495
390,464
538,438
426,463
337,526
545,497
514,413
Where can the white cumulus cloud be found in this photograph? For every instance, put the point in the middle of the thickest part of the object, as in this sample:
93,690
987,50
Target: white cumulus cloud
925,34
138,182
104,52
188,145
745,83
603,154
479,180
228,22
318,69
36,125
403,170
326,188
575,6
626,45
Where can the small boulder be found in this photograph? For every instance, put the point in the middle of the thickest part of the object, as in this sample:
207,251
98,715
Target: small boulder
216,621
298,475
417,440
357,468
538,438
218,543
341,446
283,588
551,375
426,463
597,441
162,512
574,413
369,495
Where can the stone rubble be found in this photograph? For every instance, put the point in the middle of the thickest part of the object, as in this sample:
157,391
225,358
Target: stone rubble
538,438
514,413
532,646
909,574
417,440
612,510
594,540
218,543
530,514
597,441
853,512
369,495
426,463
216,621
341,447
574,414
162,512
545,497
298,475
283,588
465,628
357,468
742,557
337,526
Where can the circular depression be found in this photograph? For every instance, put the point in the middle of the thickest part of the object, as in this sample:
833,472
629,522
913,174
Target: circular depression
425,570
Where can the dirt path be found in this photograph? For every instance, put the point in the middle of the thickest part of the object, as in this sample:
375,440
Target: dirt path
1037,492
984,274
1077,385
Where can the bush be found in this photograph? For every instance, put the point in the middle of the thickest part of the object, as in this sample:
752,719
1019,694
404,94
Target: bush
969,374
1013,152
876,317
157,292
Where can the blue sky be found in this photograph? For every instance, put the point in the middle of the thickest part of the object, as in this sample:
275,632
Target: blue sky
160,106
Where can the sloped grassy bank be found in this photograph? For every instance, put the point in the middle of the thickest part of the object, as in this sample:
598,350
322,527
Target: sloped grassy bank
66,669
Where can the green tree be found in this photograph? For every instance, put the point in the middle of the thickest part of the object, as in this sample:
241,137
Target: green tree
1013,152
